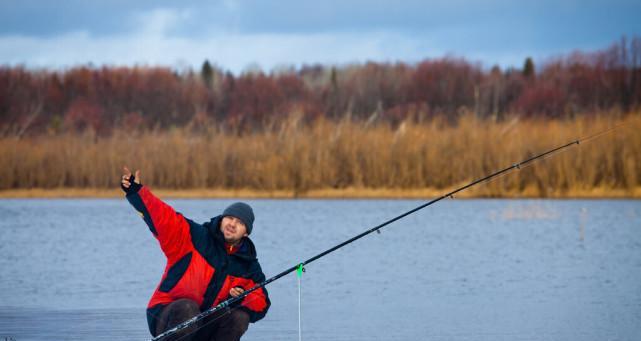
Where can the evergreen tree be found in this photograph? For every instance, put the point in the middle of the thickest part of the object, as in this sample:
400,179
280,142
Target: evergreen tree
207,74
528,68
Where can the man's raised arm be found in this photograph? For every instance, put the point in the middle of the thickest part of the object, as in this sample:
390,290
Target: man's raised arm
170,228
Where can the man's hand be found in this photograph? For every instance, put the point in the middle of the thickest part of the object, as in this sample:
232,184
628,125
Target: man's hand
236,291
130,183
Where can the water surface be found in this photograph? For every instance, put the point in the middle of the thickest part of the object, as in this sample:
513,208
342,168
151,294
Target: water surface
458,270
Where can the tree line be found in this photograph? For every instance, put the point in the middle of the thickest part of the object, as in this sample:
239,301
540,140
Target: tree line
102,99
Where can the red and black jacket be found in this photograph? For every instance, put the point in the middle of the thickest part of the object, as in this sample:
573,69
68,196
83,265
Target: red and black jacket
198,266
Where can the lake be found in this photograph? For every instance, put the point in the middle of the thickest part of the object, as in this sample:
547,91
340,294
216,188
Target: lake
84,269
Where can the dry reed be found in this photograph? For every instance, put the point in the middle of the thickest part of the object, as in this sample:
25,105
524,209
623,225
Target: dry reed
329,156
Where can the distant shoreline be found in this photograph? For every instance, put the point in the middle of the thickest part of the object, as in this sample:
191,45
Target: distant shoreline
346,193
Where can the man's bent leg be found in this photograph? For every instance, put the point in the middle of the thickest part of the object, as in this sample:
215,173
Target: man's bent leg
175,313
231,326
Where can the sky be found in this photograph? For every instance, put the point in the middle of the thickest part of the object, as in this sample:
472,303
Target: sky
238,35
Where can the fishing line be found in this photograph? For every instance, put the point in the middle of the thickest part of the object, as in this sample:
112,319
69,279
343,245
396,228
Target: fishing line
299,276
517,166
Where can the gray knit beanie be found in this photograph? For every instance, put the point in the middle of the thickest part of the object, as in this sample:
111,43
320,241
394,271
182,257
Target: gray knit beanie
243,212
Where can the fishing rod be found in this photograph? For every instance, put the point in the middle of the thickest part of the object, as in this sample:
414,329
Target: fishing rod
300,266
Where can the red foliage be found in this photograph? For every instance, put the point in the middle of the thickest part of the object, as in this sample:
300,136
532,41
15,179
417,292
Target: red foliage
254,101
445,84
541,99
37,101
83,114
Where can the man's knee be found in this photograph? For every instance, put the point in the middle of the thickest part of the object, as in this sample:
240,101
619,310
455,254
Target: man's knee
235,322
239,319
175,313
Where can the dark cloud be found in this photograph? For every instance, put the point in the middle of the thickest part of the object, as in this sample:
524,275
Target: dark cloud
46,18
51,18
492,29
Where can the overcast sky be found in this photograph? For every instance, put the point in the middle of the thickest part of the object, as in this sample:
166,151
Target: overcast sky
235,34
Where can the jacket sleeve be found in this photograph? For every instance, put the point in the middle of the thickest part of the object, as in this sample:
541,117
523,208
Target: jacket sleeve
256,303
169,227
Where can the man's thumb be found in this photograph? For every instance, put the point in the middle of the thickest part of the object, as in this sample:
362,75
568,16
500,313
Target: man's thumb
137,177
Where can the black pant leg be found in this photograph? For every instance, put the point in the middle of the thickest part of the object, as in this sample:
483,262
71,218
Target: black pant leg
231,326
175,313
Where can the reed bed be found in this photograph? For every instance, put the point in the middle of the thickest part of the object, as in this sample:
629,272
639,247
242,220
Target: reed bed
330,157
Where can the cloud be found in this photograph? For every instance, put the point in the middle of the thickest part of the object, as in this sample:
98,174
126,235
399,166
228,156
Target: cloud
220,33
160,21
232,51
153,43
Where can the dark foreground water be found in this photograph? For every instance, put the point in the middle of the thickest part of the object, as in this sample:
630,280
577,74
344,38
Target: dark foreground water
458,270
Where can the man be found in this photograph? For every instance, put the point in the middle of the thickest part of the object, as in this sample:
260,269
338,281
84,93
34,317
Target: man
206,264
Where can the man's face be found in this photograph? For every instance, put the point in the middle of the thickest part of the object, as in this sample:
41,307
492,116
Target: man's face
233,229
